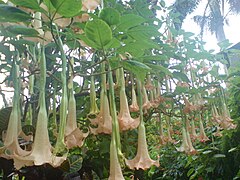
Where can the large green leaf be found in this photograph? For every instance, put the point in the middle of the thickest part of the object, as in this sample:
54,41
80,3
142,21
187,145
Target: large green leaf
32,4
181,76
22,30
110,16
142,32
98,32
137,68
128,21
67,8
137,48
13,14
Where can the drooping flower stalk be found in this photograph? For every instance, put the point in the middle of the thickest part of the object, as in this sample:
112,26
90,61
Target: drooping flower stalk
115,146
149,85
73,135
103,119
193,130
186,146
60,147
162,137
93,105
134,106
169,135
11,145
202,136
146,103
142,160
126,122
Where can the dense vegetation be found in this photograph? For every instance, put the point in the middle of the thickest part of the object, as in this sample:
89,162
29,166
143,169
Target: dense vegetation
112,89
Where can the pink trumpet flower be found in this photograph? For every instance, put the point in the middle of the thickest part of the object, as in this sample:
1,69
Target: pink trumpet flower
115,168
134,106
142,160
10,138
186,146
73,135
202,137
126,122
103,119
146,103
42,150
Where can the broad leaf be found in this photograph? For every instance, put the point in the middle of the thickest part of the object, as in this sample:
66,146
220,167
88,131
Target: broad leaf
159,69
98,32
128,21
181,76
110,16
137,68
114,43
67,8
142,32
22,30
32,4
13,14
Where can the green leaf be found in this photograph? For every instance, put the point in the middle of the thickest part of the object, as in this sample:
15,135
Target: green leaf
98,32
22,30
137,68
32,4
114,43
181,76
143,32
159,68
13,14
128,21
180,90
154,58
190,172
110,16
67,8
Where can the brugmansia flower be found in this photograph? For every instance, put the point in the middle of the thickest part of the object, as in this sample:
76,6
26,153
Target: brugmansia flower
126,122
103,119
115,145
11,145
134,106
94,108
188,106
73,135
149,85
115,168
42,150
146,103
186,146
142,160
202,137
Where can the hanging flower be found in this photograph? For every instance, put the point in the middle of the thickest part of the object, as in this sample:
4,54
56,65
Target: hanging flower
146,103
103,121
202,137
142,160
74,137
126,122
134,106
